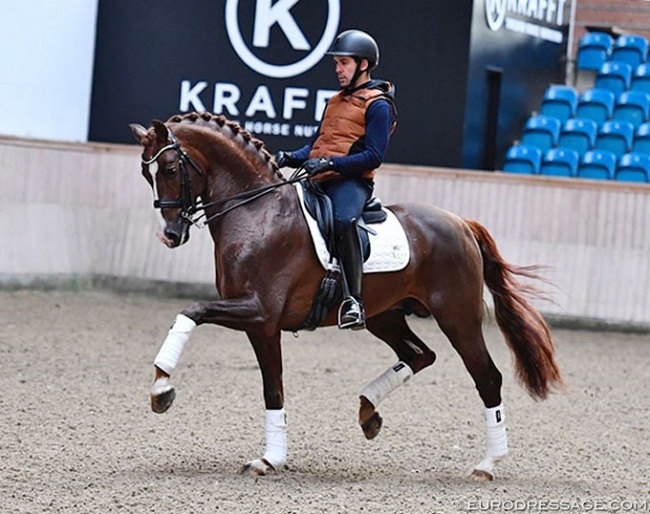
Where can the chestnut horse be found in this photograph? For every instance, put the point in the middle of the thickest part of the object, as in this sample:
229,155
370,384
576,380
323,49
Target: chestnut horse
267,274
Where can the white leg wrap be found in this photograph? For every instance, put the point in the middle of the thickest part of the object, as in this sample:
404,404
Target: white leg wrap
171,349
496,438
387,382
276,438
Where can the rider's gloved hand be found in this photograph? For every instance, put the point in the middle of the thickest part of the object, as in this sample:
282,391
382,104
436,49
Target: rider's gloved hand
318,165
283,159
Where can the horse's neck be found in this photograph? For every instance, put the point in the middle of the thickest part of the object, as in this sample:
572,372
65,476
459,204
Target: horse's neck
232,166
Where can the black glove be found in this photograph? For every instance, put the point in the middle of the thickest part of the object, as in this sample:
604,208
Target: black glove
318,165
283,159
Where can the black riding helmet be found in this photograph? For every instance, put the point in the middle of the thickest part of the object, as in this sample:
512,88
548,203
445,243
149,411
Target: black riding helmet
359,45
356,43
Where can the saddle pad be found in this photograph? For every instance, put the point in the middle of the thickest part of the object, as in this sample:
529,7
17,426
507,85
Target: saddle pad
389,249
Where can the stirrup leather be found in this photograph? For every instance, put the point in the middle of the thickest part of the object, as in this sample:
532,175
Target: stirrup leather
351,314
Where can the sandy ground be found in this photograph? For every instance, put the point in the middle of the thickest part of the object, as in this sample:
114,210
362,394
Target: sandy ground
77,434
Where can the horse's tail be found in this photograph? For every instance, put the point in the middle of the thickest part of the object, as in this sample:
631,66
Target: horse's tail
523,327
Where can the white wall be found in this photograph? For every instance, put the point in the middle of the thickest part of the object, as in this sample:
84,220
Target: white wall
46,65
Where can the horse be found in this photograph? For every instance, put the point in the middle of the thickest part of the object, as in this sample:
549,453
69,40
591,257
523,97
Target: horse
267,274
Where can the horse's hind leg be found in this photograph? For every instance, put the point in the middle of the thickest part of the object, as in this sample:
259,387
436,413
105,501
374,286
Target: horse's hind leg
413,355
466,336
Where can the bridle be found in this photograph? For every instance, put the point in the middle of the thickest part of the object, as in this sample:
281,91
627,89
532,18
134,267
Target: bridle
190,209
186,203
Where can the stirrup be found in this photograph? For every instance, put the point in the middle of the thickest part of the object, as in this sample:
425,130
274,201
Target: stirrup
351,314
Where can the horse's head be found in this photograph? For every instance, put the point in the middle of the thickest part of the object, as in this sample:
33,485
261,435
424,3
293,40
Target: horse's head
174,177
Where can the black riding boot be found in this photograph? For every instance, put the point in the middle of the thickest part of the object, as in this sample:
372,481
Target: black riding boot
351,314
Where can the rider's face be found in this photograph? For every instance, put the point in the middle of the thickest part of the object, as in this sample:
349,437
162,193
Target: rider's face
345,67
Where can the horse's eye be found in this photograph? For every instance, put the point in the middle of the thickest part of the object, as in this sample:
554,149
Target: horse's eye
169,171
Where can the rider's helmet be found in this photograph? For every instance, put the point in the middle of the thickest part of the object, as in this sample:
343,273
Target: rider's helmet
358,44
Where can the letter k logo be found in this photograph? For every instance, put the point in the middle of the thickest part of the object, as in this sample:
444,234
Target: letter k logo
267,15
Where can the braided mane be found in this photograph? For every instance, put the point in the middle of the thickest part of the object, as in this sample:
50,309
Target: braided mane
233,131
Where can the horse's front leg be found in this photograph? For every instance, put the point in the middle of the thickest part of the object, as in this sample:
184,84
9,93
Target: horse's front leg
268,351
244,314
239,314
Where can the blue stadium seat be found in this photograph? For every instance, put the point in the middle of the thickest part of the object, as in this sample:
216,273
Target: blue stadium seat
641,78
596,104
541,131
559,102
632,106
597,164
594,49
631,49
524,159
560,162
578,134
615,136
633,167
641,141
614,76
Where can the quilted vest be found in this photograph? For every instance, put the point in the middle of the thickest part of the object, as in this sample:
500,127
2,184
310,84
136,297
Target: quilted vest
344,124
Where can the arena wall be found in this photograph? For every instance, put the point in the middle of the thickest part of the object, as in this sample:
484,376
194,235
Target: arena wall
80,215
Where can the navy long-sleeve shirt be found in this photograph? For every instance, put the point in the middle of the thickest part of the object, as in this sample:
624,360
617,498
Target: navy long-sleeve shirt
379,118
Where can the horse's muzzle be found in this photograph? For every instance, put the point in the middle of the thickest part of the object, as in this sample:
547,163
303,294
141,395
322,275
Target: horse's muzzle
175,234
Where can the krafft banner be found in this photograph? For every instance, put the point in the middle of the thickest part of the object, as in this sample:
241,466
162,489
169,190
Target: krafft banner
263,64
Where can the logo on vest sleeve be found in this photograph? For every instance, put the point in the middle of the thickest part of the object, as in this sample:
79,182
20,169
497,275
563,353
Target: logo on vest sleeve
267,16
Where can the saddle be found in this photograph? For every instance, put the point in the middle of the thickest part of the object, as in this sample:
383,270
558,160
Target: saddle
319,206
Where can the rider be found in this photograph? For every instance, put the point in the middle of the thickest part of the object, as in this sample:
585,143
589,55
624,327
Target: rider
350,144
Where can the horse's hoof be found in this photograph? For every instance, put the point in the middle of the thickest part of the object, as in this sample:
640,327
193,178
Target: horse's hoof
162,395
257,468
372,426
482,476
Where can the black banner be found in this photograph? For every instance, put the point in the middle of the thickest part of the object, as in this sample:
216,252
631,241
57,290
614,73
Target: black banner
262,63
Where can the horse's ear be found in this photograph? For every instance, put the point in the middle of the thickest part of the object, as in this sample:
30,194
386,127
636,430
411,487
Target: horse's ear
139,132
161,130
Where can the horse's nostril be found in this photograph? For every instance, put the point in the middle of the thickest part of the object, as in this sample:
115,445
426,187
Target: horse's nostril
173,237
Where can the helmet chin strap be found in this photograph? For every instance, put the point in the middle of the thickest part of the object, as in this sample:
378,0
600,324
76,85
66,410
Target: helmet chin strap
357,73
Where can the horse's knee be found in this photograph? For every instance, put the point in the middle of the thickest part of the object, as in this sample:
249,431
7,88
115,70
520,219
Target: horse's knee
195,311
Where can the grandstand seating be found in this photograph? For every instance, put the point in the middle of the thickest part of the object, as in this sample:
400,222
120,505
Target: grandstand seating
597,164
578,134
559,102
631,49
641,142
632,106
524,159
614,76
615,136
599,131
541,131
560,162
641,78
596,104
594,49
633,167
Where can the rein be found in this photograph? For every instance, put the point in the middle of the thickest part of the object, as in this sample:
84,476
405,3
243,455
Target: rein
189,208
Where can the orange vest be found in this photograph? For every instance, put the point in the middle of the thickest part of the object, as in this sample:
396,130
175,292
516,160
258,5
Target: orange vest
344,123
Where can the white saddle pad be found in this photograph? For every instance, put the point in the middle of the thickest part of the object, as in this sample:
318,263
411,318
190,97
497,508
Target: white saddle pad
389,249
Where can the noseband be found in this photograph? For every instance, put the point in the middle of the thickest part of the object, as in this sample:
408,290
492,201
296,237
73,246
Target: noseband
186,203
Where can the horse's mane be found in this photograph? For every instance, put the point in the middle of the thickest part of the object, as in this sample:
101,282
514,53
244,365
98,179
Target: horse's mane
233,131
